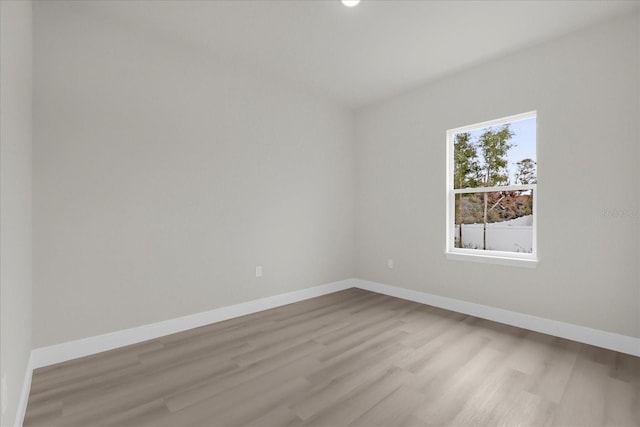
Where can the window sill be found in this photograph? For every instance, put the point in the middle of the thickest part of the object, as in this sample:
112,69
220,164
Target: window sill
493,259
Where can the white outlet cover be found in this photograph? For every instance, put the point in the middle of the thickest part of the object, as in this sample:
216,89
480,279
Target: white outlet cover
258,271
390,263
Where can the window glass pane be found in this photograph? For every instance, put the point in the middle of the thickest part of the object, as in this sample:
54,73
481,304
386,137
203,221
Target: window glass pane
496,155
498,221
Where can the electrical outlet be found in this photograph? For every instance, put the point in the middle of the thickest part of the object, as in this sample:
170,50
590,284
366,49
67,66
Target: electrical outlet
3,392
390,263
258,271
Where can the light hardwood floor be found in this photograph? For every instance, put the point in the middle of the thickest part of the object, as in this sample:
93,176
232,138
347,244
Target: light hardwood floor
352,358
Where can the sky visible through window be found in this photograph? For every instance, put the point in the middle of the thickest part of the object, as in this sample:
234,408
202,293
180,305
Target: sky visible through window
524,141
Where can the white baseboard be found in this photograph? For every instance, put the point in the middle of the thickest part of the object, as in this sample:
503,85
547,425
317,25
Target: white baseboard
24,395
53,354
596,337
50,355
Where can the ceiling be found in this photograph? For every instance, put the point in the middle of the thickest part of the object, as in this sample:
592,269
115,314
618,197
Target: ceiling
358,55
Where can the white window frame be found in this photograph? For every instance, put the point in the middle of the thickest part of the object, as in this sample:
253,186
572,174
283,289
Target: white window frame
481,255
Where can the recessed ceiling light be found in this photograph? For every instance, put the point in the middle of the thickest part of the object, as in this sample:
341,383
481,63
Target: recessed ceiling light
350,3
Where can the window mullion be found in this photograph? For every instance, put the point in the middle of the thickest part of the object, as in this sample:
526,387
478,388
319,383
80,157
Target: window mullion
494,189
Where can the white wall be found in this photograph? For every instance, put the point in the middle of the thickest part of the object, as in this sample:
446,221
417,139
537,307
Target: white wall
15,197
585,89
638,174
163,176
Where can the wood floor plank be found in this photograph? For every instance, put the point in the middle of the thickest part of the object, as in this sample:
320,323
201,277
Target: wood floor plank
487,401
360,400
447,393
583,401
552,373
621,404
276,416
395,409
331,389
351,358
260,375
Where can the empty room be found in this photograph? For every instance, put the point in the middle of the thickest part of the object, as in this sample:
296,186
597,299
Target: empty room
328,213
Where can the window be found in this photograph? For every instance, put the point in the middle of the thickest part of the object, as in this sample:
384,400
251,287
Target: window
491,191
